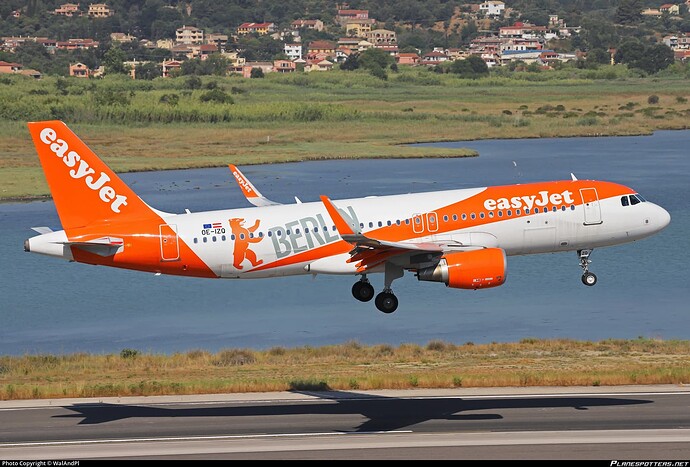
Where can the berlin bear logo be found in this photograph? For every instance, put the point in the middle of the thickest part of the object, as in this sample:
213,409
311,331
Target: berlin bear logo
243,237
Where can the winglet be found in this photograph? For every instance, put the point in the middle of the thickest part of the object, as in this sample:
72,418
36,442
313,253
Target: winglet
250,192
344,228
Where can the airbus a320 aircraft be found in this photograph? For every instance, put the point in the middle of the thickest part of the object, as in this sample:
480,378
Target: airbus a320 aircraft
457,237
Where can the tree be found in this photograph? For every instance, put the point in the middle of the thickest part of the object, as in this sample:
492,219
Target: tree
597,57
629,11
147,71
378,71
656,58
371,58
257,73
630,52
351,62
113,61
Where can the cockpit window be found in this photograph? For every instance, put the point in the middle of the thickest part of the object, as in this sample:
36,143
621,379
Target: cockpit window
624,201
639,196
634,200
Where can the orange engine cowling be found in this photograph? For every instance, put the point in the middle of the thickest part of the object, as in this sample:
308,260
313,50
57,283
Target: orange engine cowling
477,269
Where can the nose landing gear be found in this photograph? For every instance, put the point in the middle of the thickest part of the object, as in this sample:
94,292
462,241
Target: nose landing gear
588,278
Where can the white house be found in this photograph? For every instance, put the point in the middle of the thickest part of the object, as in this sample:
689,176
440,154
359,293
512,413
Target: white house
293,51
492,8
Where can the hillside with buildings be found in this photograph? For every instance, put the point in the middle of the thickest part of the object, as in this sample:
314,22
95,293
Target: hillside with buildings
157,38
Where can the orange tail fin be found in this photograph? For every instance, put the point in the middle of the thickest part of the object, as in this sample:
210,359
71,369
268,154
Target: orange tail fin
84,188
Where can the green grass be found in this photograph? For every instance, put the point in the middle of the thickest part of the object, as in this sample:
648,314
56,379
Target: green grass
348,366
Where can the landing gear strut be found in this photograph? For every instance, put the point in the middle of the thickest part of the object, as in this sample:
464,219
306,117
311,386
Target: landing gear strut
363,290
588,278
386,301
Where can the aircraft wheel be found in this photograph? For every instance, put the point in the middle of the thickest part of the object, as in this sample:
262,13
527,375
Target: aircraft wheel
363,291
386,302
589,279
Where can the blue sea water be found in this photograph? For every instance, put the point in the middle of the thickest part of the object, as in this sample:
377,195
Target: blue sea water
48,305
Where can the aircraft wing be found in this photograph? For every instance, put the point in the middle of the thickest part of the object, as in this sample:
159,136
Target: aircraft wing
370,252
250,192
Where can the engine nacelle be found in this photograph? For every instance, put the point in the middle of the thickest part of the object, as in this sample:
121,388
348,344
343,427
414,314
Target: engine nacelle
477,269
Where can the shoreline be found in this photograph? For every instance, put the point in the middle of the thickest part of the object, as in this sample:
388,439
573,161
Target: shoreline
48,197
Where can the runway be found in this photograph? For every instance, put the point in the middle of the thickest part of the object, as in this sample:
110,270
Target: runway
624,422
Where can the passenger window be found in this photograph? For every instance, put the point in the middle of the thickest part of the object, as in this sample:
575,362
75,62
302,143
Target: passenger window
205,239
261,235
445,218
196,240
232,237
333,228
417,220
389,222
526,210
296,231
241,236
223,237
546,209
361,225
306,230
491,214
287,232
380,224
509,212
464,216
432,219
500,213
554,209
572,207
213,238
397,221
251,234
270,234
481,215
562,208
473,216
407,221
517,212
455,217
371,224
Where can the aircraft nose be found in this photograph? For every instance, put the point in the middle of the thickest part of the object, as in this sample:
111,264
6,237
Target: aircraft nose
663,218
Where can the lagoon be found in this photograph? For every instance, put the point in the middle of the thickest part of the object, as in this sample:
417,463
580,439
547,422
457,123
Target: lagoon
51,306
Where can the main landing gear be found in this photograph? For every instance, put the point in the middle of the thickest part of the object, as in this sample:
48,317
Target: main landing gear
363,290
588,278
386,301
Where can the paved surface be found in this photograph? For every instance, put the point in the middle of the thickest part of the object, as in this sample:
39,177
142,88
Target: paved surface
624,422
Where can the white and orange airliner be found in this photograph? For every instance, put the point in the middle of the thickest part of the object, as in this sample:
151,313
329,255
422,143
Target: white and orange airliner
458,237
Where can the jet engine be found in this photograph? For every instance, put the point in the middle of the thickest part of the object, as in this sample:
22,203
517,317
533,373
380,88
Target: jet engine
476,269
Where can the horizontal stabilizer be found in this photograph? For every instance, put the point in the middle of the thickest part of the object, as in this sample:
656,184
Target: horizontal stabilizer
103,246
42,230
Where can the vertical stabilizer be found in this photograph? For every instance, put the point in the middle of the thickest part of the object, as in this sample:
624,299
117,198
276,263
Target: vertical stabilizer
84,188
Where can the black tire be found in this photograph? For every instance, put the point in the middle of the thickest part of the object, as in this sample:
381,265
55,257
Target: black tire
363,291
386,302
589,279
